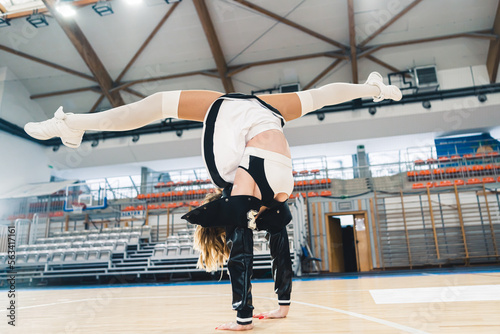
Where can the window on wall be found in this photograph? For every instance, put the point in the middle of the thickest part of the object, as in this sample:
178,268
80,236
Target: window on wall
385,163
340,167
117,187
316,164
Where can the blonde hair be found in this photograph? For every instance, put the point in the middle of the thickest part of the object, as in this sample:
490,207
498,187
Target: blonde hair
211,242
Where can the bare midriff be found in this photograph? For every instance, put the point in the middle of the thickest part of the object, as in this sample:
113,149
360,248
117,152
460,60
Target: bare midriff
271,140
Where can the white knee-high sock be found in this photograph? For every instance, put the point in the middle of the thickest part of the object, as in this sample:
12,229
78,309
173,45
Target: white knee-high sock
131,116
334,93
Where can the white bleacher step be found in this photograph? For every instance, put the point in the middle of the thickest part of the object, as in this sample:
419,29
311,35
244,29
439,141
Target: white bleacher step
130,265
146,252
139,256
135,260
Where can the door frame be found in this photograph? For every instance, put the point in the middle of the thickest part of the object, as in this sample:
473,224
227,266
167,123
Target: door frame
363,213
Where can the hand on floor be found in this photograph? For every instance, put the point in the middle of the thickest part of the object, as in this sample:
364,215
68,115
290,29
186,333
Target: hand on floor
281,312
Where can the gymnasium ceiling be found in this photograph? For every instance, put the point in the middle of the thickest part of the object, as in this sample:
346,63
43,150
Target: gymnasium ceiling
89,63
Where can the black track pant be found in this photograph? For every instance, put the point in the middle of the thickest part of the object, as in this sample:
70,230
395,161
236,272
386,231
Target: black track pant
240,267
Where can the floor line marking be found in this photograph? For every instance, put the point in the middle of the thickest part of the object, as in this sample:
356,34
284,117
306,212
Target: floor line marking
112,298
443,294
359,315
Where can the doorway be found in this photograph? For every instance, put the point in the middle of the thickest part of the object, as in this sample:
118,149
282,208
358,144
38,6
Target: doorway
348,242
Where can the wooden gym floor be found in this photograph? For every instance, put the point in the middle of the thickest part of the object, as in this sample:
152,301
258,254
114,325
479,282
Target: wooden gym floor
444,301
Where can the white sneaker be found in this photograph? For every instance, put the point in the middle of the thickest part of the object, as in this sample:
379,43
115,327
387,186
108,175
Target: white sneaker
386,92
55,127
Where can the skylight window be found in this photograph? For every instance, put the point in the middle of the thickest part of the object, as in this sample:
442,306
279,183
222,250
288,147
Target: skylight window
12,6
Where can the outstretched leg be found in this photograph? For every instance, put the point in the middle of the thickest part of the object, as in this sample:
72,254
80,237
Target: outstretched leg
187,105
295,105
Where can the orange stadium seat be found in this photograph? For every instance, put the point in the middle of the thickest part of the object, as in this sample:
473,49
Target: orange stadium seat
450,170
438,171
424,173
473,181
444,184
479,155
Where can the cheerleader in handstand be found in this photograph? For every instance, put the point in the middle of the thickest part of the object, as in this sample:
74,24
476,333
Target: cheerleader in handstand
247,155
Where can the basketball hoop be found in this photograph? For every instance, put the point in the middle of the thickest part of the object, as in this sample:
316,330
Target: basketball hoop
78,207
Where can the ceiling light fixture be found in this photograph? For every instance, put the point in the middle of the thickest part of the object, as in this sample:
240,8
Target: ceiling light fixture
172,1
103,8
65,9
133,2
37,20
